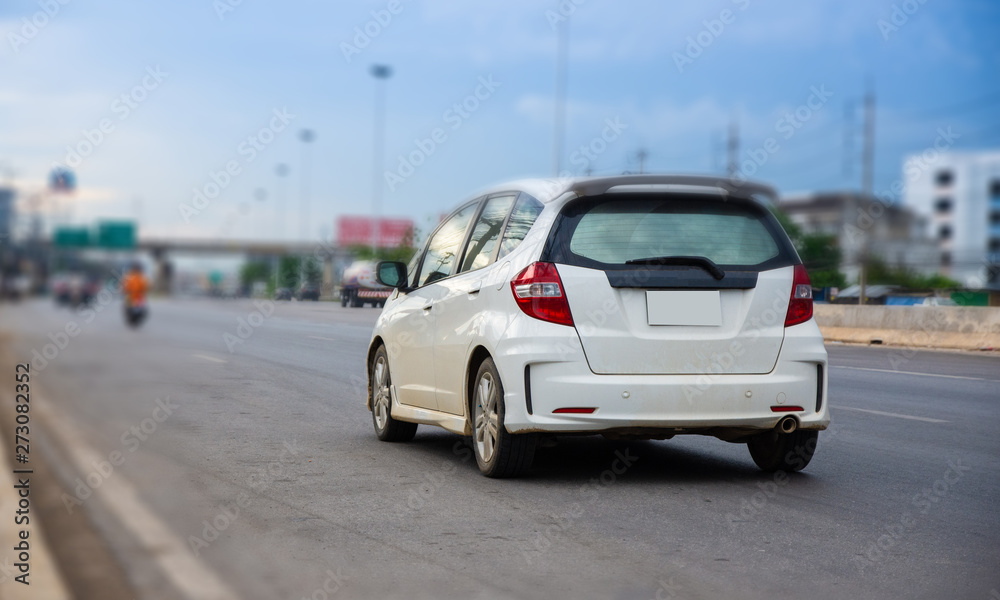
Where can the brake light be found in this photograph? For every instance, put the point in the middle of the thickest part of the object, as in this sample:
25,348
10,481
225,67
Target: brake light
800,306
538,291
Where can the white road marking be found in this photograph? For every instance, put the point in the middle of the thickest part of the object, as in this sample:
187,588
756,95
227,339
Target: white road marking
316,337
889,414
208,358
190,576
915,373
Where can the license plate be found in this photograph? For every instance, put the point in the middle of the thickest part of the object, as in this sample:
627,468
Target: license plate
688,307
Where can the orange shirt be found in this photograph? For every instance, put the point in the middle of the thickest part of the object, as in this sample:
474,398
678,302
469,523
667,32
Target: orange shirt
135,286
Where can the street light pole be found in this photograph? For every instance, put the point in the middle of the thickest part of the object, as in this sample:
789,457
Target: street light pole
307,136
381,73
281,170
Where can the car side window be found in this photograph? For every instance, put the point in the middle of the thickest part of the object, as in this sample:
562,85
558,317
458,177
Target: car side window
442,250
486,233
525,212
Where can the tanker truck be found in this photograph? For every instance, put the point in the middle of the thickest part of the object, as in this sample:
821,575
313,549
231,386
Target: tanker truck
358,286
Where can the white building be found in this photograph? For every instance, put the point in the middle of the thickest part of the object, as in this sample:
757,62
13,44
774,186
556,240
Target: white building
959,194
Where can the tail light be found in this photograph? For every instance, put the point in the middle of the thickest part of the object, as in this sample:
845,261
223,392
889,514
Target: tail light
538,291
800,307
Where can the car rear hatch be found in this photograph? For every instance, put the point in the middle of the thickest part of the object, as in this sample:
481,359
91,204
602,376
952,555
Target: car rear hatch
674,283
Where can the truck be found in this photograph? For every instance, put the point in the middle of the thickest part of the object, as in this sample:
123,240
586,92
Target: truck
358,286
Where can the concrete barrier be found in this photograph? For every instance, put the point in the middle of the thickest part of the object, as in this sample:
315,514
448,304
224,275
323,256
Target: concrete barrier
959,327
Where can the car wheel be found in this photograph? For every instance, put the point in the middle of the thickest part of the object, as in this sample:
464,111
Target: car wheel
343,300
498,453
773,451
386,428
356,302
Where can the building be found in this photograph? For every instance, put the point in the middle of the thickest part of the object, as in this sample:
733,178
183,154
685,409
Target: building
958,193
6,215
865,226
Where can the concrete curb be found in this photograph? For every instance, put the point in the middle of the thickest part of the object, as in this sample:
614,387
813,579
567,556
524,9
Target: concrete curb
950,340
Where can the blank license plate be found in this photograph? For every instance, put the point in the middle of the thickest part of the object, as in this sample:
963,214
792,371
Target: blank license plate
694,307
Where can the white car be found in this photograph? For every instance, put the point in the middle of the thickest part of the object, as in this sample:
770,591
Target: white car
634,307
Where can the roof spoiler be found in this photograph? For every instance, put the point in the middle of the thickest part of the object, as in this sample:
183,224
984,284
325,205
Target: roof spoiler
726,185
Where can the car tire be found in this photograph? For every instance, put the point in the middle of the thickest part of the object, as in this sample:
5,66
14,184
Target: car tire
343,300
498,453
355,301
387,429
774,451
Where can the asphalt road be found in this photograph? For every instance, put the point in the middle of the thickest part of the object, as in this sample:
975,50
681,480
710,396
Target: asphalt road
900,500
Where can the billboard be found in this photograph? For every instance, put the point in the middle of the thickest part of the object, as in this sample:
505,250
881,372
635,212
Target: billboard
361,231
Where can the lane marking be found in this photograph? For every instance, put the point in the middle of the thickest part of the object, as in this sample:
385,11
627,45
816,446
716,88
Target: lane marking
915,373
208,358
316,337
189,575
889,414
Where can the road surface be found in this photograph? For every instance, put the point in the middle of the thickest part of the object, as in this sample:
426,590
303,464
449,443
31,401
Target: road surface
247,468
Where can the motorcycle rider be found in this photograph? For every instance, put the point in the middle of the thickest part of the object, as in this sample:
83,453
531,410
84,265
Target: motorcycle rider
134,287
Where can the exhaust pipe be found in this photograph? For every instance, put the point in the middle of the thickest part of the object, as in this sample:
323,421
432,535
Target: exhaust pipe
788,425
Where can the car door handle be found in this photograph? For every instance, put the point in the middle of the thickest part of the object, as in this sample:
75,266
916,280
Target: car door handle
427,307
475,287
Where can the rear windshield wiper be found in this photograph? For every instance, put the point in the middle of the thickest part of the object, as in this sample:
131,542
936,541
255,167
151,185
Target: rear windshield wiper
691,261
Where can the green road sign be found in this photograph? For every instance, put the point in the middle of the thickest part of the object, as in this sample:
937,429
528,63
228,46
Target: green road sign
71,237
119,235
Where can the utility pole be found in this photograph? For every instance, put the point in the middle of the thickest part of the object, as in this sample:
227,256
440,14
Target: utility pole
867,181
642,155
559,133
733,147
717,152
848,158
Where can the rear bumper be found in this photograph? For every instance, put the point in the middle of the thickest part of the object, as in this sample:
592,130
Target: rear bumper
718,404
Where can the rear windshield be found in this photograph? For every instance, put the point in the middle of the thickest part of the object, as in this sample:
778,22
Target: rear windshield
609,231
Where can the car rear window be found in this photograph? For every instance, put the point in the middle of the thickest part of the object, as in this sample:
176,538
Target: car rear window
609,231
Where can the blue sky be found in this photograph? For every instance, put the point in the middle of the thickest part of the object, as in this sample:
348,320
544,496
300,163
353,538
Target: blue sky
222,77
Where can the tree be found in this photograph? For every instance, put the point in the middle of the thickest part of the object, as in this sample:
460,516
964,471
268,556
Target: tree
819,252
312,271
401,253
288,272
821,257
254,271
878,272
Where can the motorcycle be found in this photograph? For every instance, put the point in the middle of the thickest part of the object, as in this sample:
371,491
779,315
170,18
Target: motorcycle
136,313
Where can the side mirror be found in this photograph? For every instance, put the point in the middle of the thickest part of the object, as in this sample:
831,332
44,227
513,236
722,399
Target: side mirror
391,274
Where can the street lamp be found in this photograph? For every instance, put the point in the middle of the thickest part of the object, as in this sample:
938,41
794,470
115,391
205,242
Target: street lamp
281,170
380,73
307,136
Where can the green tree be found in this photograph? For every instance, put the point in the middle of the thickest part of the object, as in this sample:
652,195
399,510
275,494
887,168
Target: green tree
821,256
254,271
401,253
878,272
819,252
312,270
288,272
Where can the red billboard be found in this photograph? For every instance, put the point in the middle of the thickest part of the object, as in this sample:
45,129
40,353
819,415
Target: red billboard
360,231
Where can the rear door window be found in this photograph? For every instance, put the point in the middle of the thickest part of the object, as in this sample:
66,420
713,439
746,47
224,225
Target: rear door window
486,233
610,231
